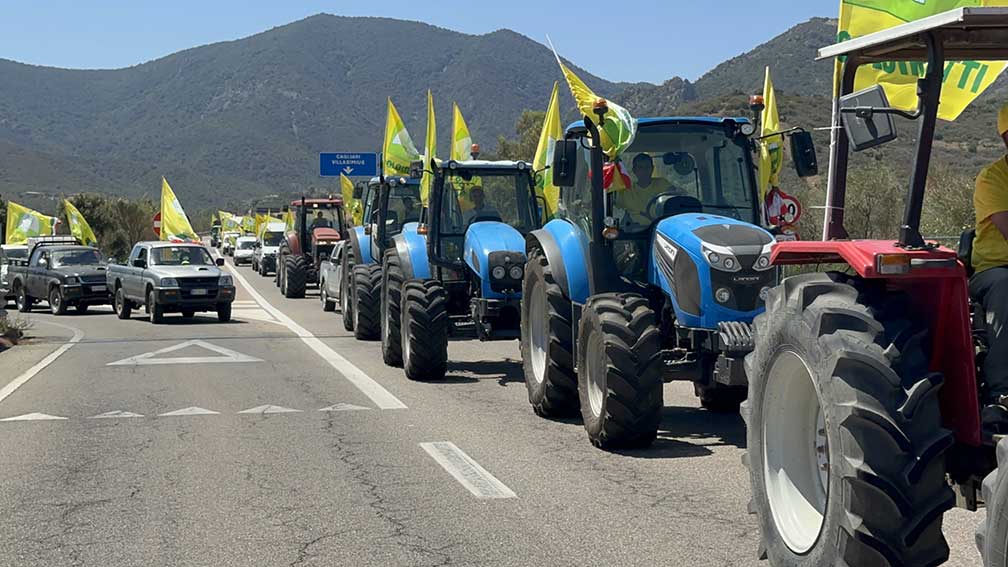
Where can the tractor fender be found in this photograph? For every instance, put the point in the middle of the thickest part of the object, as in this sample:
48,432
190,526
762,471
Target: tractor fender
361,246
484,238
293,243
411,247
566,250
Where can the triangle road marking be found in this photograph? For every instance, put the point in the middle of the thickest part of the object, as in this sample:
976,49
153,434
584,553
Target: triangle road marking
192,410
32,417
149,358
269,409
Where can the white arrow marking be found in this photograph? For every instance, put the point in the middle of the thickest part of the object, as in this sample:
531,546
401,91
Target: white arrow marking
468,472
269,409
192,410
226,355
343,407
347,170
116,413
33,417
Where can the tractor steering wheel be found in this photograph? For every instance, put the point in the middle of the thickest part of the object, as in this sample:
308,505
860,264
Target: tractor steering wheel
654,201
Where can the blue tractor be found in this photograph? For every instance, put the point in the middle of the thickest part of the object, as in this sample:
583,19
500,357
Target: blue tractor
629,289
465,280
369,283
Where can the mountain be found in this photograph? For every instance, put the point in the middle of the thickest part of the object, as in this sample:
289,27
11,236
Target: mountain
235,119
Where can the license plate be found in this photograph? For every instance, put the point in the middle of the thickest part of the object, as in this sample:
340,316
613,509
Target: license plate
99,288
198,292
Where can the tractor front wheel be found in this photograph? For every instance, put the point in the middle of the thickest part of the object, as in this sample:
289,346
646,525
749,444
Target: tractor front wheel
425,330
295,276
366,308
620,371
391,309
845,442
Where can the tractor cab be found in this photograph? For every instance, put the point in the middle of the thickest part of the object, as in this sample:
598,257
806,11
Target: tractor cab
319,225
390,203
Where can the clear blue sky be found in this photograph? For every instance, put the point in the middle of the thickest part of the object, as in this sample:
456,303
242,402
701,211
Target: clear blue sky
643,41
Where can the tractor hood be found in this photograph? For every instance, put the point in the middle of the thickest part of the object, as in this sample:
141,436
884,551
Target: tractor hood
492,237
693,230
323,233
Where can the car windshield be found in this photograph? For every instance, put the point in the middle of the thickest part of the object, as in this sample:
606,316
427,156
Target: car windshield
84,257
246,245
181,256
491,196
272,238
675,168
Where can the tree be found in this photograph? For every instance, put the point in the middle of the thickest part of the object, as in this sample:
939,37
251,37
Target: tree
523,147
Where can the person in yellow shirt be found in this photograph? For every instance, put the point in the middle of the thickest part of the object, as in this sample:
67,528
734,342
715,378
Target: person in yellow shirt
989,284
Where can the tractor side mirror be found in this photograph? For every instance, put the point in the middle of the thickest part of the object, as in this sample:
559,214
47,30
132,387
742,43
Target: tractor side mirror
803,154
867,118
358,191
219,262
565,163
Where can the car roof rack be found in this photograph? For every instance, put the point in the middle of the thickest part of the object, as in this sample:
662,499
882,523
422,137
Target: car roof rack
39,241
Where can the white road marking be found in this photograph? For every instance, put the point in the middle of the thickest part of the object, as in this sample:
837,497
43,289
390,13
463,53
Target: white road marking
115,414
343,407
148,358
33,417
367,385
192,410
468,472
269,409
255,314
42,364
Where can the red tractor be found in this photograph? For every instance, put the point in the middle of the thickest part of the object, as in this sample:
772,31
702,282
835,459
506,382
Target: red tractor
319,224
863,411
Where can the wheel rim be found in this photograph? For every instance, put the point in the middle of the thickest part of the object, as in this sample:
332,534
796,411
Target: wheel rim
118,303
539,331
54,301
795,453
596,370
344,300
385,323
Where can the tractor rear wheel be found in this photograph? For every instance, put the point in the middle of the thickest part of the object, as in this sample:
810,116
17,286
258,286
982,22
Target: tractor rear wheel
391,309
620,371
425,330
845,442
366,308
992,533
345,285
295,276
547,337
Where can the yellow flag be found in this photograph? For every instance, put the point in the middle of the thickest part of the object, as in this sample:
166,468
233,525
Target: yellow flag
461,147
771,149
24,223
79,227
618,129
289,219
964,80
398,151
430,151
260,222
174,222
352,206
551,132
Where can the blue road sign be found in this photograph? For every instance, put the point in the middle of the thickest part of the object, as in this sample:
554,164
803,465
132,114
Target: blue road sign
349,164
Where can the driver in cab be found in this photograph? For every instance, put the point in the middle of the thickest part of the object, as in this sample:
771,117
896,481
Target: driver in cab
480,209
320,221
635,199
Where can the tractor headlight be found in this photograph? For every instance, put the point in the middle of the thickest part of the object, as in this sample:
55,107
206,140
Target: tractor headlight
225,280
764,292
169,282
721,259
722,295
763,262
498,272
516,272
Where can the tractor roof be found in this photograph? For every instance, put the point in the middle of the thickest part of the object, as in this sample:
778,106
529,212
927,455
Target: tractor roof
662,120
972,34
482,164
409,180
311,202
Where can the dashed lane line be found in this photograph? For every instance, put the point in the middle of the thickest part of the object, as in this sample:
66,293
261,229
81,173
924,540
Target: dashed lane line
367,385
467,471
16,383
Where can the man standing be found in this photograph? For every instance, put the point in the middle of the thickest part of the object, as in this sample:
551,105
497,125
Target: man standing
989,284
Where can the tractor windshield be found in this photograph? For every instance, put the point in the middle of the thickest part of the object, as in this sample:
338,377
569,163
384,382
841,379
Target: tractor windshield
503,196
671,169
404,206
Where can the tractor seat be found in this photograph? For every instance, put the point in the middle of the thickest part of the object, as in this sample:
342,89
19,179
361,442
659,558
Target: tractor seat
681,204
965,250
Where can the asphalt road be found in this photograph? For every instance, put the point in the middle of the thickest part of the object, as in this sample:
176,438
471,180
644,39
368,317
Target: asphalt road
287,442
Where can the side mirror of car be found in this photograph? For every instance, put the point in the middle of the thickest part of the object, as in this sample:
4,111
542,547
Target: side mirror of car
565,163
219,262
803,154
139,263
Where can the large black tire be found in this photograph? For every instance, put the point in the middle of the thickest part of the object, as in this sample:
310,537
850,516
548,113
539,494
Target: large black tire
366,301
56,304
873,458
223,312
123,307
24,301
295,276
155,311
346,285
992,532
620,371
425,330
391,308
546,318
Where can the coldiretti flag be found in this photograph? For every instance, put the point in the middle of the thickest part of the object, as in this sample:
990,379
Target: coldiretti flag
288,219
248,223
174,222
227,220
551,132
618,129
79,227
430,151
260,221
771,149
352,206
24,223
964,80
398,150
461,147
